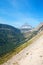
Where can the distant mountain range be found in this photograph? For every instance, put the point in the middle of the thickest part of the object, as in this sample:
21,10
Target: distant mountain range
28,28
28,31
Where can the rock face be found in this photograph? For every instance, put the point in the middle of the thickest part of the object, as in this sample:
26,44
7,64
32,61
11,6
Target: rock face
39,27
26,28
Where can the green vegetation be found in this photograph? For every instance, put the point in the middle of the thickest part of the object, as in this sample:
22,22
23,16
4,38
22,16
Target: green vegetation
9,39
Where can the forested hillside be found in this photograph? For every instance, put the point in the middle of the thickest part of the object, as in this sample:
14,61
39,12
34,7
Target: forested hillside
10,38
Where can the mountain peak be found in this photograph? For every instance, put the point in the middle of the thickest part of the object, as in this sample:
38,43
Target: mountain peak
26,26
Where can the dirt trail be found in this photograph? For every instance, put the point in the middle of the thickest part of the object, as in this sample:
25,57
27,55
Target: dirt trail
31,55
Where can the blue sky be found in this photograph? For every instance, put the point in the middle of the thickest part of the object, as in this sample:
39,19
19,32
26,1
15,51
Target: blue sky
18,12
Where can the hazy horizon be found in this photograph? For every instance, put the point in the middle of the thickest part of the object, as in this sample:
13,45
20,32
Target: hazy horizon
19,12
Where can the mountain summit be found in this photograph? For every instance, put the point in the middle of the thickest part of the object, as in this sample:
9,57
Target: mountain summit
26,25
26,28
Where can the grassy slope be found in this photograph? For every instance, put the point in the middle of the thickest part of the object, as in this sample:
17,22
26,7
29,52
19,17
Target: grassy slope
18,49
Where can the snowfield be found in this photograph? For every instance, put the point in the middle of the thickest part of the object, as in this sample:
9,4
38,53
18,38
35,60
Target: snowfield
31,55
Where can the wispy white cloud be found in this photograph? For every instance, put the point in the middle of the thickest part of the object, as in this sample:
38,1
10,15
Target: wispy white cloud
15,15
20,19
